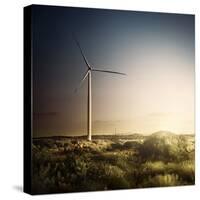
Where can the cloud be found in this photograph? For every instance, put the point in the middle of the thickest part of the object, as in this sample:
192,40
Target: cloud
45,114
160,114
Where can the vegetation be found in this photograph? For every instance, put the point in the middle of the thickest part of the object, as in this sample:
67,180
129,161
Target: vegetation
69,164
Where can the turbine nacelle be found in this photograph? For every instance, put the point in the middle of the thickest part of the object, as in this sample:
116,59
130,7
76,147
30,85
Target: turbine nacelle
96,70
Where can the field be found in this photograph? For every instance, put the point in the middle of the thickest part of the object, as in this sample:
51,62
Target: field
73,164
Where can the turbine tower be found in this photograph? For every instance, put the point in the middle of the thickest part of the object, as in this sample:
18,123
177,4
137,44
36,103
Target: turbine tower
88,75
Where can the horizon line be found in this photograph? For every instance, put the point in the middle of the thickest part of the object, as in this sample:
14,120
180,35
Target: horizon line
113,134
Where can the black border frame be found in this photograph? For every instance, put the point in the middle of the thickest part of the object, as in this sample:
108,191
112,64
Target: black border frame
27,29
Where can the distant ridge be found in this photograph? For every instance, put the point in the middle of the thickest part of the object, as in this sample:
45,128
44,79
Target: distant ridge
118,136
164,133
158,134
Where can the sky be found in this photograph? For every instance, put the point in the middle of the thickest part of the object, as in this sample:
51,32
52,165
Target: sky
155,50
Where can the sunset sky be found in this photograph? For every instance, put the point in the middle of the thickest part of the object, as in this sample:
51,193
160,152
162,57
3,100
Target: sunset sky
156,51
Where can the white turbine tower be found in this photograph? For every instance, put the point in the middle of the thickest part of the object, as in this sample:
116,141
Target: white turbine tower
89,75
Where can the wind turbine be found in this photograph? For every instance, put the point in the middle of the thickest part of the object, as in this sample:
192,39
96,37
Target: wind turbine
88,74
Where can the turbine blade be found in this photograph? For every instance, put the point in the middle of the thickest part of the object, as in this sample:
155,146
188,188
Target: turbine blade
82,80
79,46
107,71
